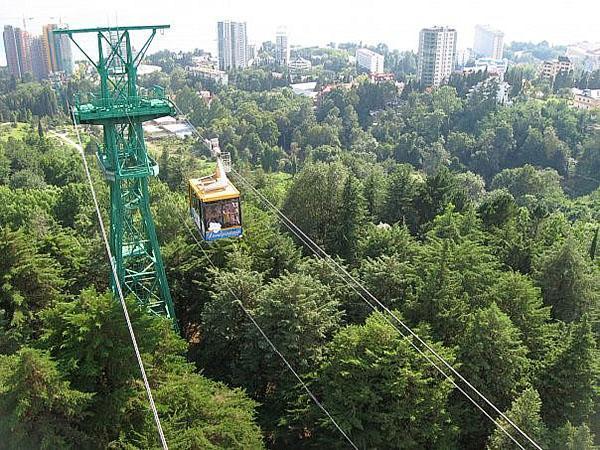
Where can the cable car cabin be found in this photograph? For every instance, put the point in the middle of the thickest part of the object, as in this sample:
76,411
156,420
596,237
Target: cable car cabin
215,206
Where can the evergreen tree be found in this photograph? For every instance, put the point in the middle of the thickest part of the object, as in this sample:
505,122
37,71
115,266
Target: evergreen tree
524,413
400,197
350,219
569,437
379,390
299,315
38,407
224,322
568,385
493,359
567,282
30,282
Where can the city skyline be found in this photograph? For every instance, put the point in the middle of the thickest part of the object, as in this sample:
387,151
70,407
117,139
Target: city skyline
317,23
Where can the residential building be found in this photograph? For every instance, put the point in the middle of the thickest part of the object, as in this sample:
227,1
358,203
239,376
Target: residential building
58,55
369,60
550,69
299,64
378,77
489,43
39,67
17,46
251,52
496,67
282,48
208,73
437,54
586,98
233,45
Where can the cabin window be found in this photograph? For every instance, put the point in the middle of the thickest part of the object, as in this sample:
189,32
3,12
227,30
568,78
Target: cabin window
221,214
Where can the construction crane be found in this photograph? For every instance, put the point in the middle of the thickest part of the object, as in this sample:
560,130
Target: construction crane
121,107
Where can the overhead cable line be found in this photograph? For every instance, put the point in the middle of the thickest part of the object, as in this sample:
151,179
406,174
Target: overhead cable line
273,347
354,284
325,257
116,278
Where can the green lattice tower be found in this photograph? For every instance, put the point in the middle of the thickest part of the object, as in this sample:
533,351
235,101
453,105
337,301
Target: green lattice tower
121,107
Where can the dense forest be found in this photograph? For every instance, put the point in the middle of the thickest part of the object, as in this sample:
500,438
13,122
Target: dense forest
476,223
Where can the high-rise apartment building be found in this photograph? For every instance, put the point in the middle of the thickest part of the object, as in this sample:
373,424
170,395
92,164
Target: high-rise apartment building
233,45
17,47
437,55
369,60
282,48
38,55
39,67
489,43
58,56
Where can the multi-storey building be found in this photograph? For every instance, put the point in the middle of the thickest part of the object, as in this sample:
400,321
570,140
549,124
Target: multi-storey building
437,54
369,60
17,46
550,69
233,45
586,98
489,43
299,64
38,61
282,48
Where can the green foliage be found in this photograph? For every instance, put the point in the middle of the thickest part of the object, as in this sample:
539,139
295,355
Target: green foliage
525,414
29,282
569,284
38,407
224,322
569,384
197,414
90,343
379,390
491,344
350,219
536,189
569,437
314,201
503,276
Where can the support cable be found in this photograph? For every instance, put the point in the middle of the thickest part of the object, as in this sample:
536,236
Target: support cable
275,349
354,283
116,278
309,243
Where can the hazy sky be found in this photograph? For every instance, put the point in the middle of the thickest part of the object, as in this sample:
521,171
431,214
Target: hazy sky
395,22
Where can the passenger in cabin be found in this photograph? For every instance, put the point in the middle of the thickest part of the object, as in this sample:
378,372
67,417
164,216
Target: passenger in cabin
231,214
213,217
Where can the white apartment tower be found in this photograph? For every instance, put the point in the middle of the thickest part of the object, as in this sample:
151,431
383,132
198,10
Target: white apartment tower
437,55
233,45
369,60
282,48
489,43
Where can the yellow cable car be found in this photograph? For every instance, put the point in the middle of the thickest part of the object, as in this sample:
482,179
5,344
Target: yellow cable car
215,203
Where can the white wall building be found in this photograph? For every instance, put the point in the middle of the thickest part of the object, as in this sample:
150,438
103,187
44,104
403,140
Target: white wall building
299,64
437,55
369,60
233,45
282,48
489,43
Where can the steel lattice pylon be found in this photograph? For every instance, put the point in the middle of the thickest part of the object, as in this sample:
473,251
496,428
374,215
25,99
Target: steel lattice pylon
121,107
